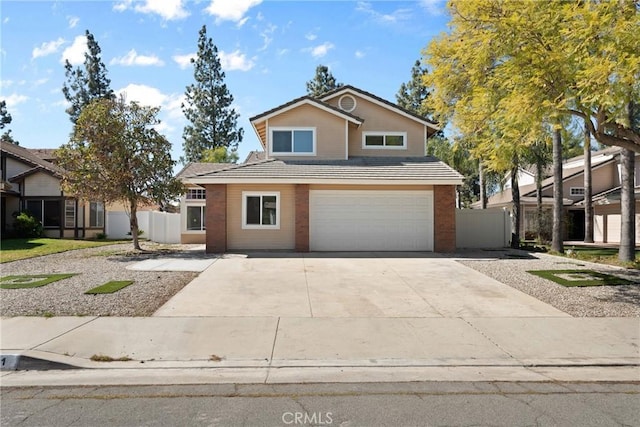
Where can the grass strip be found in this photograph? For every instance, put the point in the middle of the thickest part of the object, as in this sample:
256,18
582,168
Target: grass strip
25,281
110,287
577,278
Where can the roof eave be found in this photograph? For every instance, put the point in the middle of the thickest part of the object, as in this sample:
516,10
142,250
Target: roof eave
203,180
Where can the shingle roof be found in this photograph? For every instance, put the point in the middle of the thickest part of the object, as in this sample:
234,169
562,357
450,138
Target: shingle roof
30,158
195,168
48,154
331,93
371,169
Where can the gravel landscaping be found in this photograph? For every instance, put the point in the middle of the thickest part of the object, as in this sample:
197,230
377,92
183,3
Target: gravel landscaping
510,267
95,267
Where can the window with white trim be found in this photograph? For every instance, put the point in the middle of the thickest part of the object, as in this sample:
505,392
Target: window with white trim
196,194
196,218
576,191
96,214
388,140
261,210
69,213
293,141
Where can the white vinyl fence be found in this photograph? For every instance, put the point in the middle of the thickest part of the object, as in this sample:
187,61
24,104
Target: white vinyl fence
482,228
158,227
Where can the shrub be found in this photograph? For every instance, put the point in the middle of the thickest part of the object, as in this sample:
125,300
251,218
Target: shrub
26,225
101,236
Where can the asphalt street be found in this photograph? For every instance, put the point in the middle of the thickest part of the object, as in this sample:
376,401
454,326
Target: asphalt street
365,404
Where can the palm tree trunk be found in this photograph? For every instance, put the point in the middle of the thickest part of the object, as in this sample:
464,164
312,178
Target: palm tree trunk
627,207
483,186
539,217
557,244
588,190
515,194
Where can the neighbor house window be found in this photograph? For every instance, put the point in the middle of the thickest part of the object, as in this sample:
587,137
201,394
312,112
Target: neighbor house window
261,210
46,211
576,191
196,194
293,141
96,214
393,140
196,218
69,213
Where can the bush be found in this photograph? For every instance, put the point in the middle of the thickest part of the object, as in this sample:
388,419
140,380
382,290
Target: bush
26,225
101,236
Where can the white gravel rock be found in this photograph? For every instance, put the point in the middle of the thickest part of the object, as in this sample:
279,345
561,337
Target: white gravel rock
510,267
94,267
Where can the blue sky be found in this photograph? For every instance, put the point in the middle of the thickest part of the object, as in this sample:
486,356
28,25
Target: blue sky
269,49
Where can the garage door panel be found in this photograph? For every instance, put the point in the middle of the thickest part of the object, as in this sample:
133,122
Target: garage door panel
371,220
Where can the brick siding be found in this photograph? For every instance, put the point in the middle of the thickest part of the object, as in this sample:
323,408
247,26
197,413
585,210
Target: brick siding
216,218
302,218
444,212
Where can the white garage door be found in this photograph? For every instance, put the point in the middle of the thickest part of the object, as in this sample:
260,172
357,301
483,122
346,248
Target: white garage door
351,220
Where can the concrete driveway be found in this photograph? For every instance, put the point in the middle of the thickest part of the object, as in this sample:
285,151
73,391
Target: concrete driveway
349,286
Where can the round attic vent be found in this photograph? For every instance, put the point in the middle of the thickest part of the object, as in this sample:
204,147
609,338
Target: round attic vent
347,103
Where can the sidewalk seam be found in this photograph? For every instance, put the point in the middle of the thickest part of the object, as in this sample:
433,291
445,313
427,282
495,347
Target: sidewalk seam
306,280
273,349
64,333
490,340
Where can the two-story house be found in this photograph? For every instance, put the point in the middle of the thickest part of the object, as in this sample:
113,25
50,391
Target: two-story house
31,183
346,172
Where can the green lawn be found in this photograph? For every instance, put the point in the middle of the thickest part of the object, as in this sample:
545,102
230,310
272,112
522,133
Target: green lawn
601,255
110,287
580,278
31,280
15,249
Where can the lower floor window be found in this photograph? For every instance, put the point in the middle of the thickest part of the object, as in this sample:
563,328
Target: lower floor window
69,213
260,210
96,214
196,218
48,212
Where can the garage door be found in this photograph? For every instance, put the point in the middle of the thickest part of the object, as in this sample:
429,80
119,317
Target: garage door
352,220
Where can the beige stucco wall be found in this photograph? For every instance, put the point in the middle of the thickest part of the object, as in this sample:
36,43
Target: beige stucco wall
15,167
330,131
239,238
41,184
381,119
193,239
602,178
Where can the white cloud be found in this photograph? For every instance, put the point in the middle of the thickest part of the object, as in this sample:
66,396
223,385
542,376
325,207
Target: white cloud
5,20
242,21
267,36
169,10
235,61
40,82
73,21
75,53
359,54
310,36
234,10
282,52
184,61
15,99
170,105
384,18
433,7
320,50
47,48
132,58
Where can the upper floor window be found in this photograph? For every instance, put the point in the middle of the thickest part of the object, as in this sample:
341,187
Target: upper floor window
196,194
576,191
293,141
390,140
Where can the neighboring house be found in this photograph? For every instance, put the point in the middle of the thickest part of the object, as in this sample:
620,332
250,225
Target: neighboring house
30,183
605,172
346,172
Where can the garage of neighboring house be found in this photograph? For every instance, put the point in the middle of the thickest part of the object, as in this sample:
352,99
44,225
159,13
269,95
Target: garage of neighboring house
368,220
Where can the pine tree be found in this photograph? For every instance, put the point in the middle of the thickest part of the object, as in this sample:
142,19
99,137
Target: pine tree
5,119
208,105
322,83
413,95
86,83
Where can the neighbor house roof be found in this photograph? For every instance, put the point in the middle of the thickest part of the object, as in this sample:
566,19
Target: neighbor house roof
198,168
255,156
370,170
376,99
27,156
48,154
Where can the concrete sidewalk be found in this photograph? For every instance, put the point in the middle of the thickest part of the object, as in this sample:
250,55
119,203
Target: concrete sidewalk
301,349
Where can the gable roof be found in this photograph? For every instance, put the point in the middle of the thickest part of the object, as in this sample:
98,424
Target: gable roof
310,101
380,101
255,156
199,168
26,156
366,170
